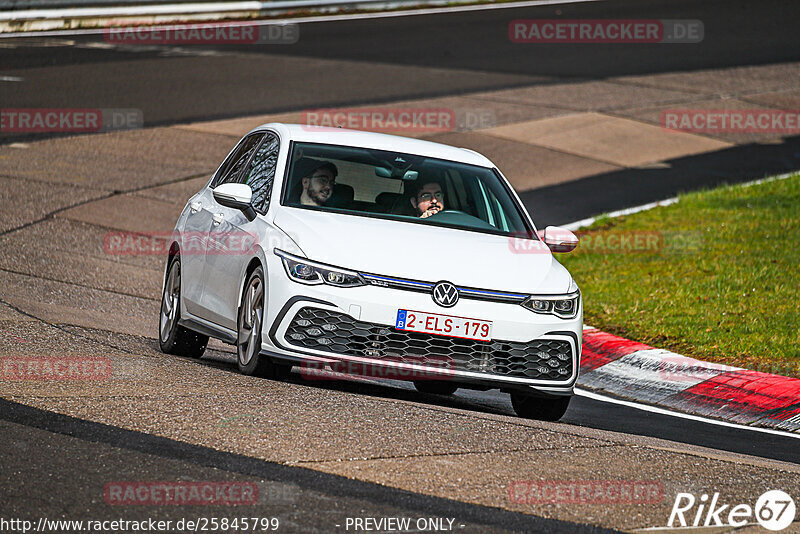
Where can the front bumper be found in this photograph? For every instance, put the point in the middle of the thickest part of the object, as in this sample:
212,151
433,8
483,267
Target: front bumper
326,325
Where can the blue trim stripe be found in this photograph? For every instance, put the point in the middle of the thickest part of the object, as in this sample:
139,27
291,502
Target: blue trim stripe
430,285
514,295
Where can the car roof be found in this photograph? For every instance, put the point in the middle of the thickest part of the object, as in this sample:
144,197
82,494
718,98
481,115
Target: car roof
341,136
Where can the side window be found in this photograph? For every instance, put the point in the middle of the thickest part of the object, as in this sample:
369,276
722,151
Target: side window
237,160
261,174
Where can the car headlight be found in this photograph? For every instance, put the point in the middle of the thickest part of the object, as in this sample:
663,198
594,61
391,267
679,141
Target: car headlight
313,273
563,306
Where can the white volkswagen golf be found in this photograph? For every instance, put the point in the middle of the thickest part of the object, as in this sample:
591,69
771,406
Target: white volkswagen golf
353,251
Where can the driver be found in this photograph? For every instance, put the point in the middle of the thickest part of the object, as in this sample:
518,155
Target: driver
318,183
429,199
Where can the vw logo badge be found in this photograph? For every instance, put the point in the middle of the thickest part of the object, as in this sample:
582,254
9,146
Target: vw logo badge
445,294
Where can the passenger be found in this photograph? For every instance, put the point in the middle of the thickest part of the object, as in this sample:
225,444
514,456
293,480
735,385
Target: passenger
318,184
428,200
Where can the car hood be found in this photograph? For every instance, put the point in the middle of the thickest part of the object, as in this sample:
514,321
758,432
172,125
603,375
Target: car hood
425,253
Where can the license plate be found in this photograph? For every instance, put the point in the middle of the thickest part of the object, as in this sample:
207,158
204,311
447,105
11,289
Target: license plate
443,325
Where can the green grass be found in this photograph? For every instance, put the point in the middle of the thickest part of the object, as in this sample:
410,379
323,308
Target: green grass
722,283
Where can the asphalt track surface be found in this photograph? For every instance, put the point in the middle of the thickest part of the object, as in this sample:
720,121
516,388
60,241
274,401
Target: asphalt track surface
253,79
389,59
303,500
452,46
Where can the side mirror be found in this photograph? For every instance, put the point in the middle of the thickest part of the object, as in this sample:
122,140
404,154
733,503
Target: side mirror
236,196
559,239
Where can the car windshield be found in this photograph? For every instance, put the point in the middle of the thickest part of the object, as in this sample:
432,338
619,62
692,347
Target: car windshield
408,187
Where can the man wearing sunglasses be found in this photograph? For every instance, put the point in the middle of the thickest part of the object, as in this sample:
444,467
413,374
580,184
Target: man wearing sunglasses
428,200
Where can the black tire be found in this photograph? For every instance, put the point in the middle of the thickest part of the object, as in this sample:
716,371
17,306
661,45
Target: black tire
172,337
436,387
541,408
249,325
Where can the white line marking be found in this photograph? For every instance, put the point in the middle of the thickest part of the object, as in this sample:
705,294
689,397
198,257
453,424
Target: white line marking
619,213
303,20
650,205
662,411
129,11
439,10
11,79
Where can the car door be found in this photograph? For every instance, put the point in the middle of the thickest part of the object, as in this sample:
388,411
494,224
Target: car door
194,236
192,246
232,233
199,228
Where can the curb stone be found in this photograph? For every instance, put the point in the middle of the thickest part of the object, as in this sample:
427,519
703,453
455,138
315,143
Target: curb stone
635,371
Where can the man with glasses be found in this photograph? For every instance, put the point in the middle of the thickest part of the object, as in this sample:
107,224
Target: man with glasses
428,200
318,184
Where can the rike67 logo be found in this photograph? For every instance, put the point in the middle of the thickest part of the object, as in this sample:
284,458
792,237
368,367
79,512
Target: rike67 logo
774,510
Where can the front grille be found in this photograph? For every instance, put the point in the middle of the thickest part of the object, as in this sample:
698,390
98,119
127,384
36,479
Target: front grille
324,330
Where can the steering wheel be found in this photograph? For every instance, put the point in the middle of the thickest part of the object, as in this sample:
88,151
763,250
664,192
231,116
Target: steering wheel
449,212
461,218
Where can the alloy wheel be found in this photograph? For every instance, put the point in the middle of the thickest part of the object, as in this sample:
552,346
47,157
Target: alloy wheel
170,301
249,336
